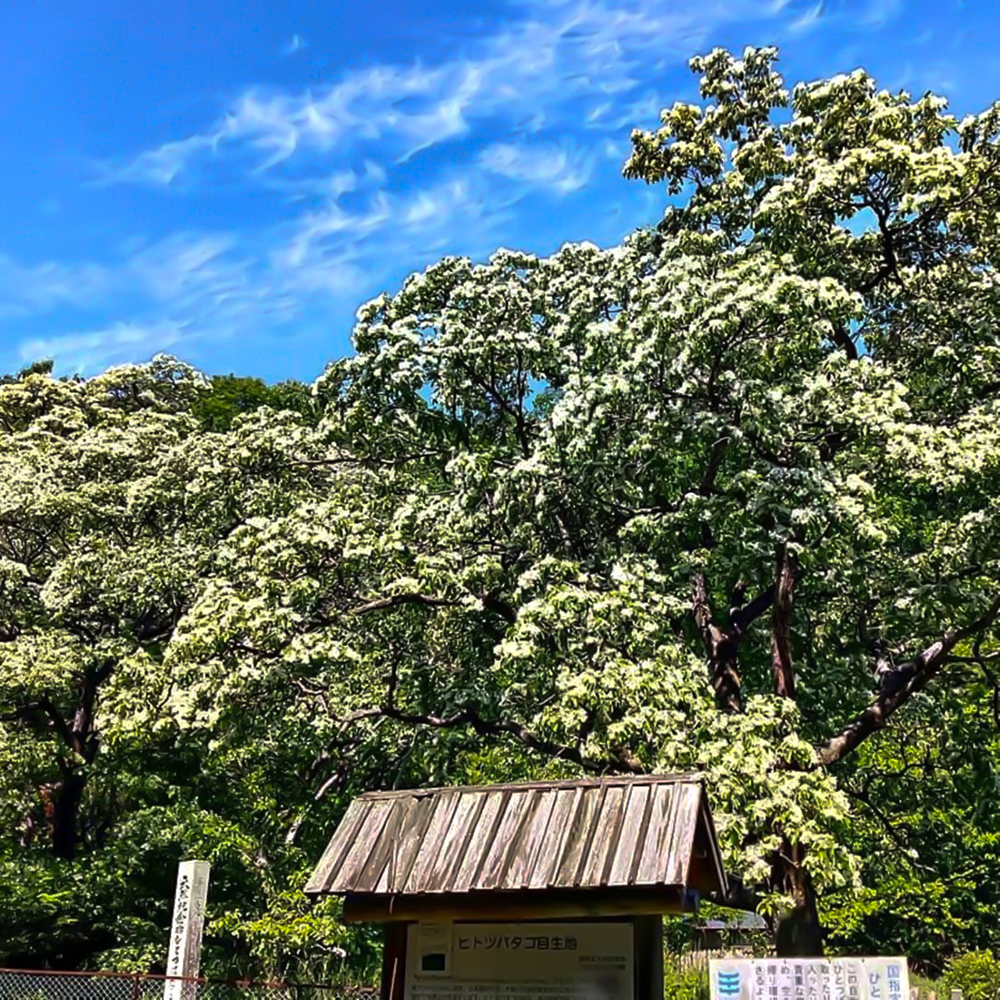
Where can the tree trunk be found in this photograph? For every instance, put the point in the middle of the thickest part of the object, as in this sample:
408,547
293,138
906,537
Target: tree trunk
725,673
797,930
80,737
66,799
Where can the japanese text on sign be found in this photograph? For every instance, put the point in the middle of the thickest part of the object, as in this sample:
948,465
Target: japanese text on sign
809,979
526,961
516,942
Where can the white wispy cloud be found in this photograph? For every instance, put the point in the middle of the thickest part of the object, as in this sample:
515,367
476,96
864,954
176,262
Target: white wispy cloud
192,288
336,250
89,352
204,284
396,111
880,12
541,106
810,19
563,62
28,290
809,15
562,167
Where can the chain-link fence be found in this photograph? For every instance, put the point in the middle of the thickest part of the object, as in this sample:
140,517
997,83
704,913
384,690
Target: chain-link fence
23,984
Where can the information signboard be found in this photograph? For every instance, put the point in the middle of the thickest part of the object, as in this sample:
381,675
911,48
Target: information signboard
522,961
809,979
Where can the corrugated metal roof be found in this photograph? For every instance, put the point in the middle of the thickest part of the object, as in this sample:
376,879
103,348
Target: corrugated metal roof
606,832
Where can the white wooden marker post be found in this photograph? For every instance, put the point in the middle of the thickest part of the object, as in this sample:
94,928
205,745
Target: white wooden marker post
185,934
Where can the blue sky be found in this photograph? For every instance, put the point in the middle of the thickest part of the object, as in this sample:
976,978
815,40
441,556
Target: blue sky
229,180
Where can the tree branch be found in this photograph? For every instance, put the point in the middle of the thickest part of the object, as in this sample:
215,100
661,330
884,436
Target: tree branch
707,484
59,723
334,781
899,685
396,600
893,834
490,602
844,341
23,713
782,668
493,603
622,762
702,609
368,459
743,617
721,644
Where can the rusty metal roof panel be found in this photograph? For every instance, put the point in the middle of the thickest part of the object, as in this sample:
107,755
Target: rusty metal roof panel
610,832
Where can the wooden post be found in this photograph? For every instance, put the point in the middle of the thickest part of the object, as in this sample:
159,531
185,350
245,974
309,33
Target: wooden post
648,961
184,959
394,962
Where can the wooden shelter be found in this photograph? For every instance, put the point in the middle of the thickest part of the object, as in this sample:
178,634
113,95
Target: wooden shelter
524,867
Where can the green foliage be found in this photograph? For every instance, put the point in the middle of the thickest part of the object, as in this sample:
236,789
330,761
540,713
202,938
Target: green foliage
929,838
976,974
229,396
684,981
43,367
924,986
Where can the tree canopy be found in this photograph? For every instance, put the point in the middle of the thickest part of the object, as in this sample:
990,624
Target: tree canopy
720,498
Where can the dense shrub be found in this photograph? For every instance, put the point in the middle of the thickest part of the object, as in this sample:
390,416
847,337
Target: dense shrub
976,974
683,981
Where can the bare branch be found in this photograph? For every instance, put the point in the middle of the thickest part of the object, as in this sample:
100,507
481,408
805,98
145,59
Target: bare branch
845,341
782,668
899,685
396,600
490,602
742,618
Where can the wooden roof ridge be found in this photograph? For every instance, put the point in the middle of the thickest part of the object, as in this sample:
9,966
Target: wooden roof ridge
533,784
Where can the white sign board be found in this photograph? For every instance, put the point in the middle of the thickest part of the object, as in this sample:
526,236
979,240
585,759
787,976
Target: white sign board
809,979
184,958
524,961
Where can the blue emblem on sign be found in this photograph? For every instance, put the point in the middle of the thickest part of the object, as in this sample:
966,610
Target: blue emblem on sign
728,983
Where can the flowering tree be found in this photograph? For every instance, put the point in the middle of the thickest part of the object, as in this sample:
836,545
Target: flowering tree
721,498
113,501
